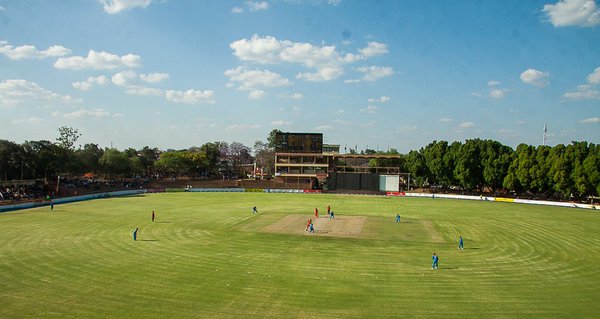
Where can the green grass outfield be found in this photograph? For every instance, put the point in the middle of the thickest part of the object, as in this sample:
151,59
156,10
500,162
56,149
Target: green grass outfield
207,256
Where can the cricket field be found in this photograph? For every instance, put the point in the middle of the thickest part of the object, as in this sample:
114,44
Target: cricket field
208,256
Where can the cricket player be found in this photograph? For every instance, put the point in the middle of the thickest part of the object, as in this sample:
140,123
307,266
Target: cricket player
312,228
153,216
460,243
434,264
135,232
397,218
316,212
331,215
254,210
328,210
51,205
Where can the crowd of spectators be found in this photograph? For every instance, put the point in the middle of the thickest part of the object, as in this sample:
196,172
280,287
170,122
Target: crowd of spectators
68,186
21,192
91,185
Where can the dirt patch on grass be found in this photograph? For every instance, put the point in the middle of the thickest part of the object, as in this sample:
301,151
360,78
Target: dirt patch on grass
343,226
435,236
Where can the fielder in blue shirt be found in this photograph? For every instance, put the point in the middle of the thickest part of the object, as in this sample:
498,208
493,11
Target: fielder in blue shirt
135,234
435,259
460,243
397,218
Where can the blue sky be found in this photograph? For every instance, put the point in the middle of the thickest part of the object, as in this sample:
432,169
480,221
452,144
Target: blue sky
377,74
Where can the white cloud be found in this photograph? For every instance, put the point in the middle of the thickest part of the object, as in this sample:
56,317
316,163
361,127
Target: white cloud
83,85
100,80
339,111
241,127
256,94
323,74
334,2
584,92
382,99
124,78
86,113
281,123
237,10
257,5
327,61
143,91
535,77
296,96
372,73
583,13
98,61
594,77
497,93
446,120
15,92
251,79
465,125
370,109
87,84
373,49
190,96
2,8
262,50
31,52
310,55
29,121
324,128
341,122
116,6
154,77
591,120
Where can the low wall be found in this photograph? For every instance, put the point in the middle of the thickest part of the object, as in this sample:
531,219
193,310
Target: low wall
215,190
65,200
495,199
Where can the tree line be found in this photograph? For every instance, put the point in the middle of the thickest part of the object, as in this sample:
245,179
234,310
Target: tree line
44,159
560,171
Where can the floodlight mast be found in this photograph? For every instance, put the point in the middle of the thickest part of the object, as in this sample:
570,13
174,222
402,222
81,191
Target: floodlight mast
545,131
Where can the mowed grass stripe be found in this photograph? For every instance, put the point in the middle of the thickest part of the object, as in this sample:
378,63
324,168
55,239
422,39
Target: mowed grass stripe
207,255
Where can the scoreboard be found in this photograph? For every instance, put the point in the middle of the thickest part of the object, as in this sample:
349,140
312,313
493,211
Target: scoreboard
299,142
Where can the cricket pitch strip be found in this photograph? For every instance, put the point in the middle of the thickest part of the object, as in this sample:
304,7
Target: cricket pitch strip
343,226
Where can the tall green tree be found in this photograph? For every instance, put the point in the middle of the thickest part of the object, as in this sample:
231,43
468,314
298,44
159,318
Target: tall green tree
495,160
114,162
88,158
415,163
174,162
435,159
67,137
11,160
468,169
